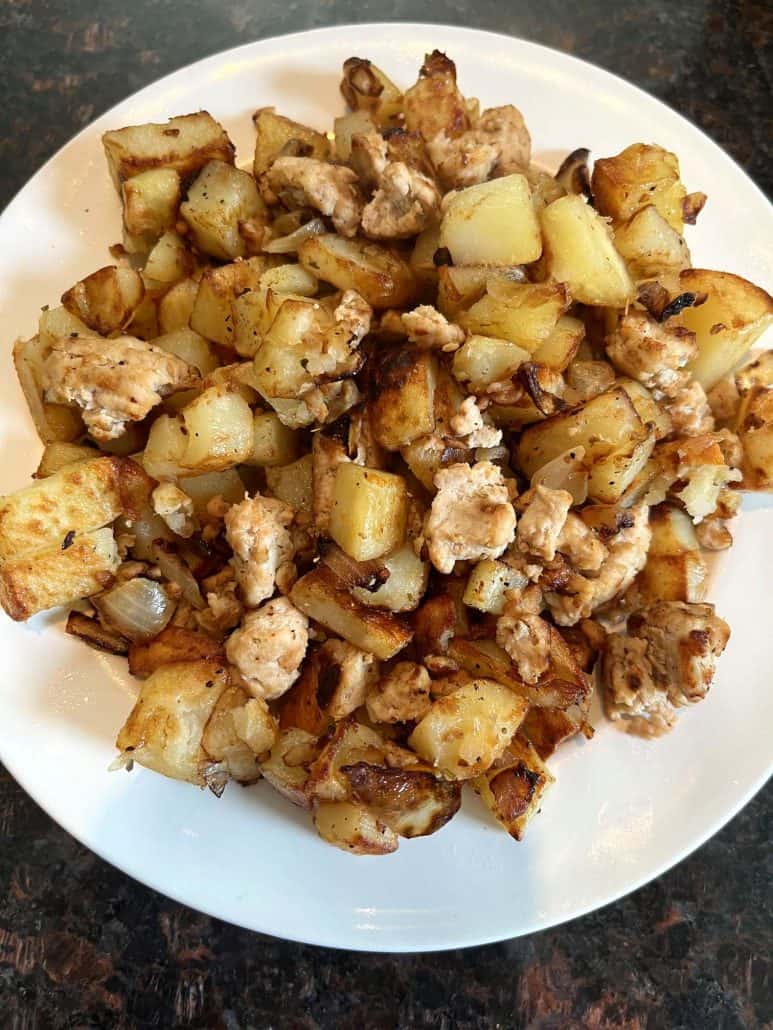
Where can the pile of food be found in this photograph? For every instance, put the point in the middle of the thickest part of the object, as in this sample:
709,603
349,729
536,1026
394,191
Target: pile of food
368,456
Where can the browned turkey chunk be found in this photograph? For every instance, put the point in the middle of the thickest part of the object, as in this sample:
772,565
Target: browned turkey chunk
307,182
352,671
257,530
689,410
402,695
268,648
468,425
651,352
175,507
667,660
497,144
471,515
526,638
542,521
112,381
430,330
405,202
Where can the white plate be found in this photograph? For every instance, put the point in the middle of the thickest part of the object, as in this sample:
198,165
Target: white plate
621,811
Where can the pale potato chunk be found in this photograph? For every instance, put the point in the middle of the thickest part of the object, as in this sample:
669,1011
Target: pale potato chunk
650,246
492,223
377,273
483,360
106,299
57,456
292,483
353,828
524,313
675,570
369,511
464,732
273,443
559,349
580,253
218,288
175,307
150,202
403,591
219,199
219,428
192,348
168,261
488,583
53,422
55,323
167,443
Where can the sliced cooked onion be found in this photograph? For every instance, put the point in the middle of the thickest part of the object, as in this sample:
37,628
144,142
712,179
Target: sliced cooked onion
176,571
369,575
290,243
566,472
95,634
139,609
146,529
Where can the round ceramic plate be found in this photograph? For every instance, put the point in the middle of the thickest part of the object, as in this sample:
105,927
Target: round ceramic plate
621,811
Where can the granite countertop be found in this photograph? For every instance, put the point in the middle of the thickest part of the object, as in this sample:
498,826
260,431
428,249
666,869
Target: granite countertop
81,945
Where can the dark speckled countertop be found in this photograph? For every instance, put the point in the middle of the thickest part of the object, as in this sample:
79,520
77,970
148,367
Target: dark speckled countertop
81,945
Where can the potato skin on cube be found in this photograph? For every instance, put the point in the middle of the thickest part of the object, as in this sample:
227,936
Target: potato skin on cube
492,223
369,511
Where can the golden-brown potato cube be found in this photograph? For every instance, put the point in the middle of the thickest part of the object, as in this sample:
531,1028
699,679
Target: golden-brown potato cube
650,246
53,422
78,498
369,511
349,742
483,360
412,802
174,308
287,767
560,348
167,442
405,587
513,790
201,489
492,223
57,456
219,428
403,407
610,476
217,289
322,596
106,299
223,742
353,828
675,570
580,253
55,323
60,575
168,261
279,135
488,582
218,200
164,730
726,325
378,274
185,144
192,348
150,202
459,286
641,174
366,88
173,644
292,483
273,443
464,732
755,431
524,313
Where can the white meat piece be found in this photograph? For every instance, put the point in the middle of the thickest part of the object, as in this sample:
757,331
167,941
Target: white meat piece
268,648
430,330
175,507
402,695
689,410
257,530
307,182
631,696
471,515
333,353
542,521
497,144
112,381
526,638
468,425
580,544
651,352
355,672
404,204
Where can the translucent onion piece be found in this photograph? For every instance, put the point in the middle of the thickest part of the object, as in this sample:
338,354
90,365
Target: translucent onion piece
566,472
176,571
139,609
146,529
289,244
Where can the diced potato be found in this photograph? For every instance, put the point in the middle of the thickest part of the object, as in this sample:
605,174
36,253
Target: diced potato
106,299
412,802
165,728
523,313
349,742
426,455
150,202
273,443
169,260
580,253
488,582
353,828
287,767
641,174
650,246
144,321
191,347
756,373
346,126
403,407
328,450
78,498
403,591
292,483
695,473
513,790
483,360
647,407
290,279
57,456
219,428
463,733
277,134
377,273
185,144
220,198
369,511
755,431
280,363
217,289
675,570
60,575
733,317
423,254
366,88
173,644
167,442
174,309
459,286
201,489
560,348
53,422
610,476
320,594
55,323
239,729
492,223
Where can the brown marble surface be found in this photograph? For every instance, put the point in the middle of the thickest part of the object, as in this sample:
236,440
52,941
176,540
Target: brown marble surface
81,945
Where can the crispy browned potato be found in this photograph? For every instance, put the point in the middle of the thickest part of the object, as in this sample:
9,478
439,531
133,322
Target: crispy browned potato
279,135
412,802
513,790
173,644
378,274
402,407
640,175
106,299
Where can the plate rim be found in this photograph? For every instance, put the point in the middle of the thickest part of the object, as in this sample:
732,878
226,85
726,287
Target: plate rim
321,937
